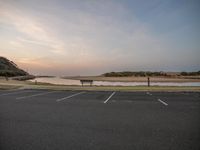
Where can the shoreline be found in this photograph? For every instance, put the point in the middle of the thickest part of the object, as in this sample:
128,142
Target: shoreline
12,84
133,79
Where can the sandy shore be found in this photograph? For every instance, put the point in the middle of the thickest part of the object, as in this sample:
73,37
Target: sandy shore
136,79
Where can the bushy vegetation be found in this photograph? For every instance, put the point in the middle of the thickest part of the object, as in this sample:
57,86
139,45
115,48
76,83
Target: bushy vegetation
148,73
190,73
136,74
10,69
9,73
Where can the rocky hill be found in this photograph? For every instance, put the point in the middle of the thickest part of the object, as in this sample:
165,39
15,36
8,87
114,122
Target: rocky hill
10,69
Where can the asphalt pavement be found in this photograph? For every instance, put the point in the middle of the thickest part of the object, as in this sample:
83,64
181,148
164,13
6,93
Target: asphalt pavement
99,120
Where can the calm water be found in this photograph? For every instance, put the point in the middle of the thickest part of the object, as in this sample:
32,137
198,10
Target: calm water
61,81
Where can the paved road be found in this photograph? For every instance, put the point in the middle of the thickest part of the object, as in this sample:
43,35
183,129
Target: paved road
82,120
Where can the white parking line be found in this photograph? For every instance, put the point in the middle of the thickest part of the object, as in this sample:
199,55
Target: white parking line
149,93
23,97
109,97
60,99
162,102
17,92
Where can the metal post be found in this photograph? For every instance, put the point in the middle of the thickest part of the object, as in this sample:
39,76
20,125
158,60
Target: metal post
6,78
148,82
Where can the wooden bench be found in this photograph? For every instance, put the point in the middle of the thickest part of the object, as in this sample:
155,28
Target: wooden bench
87,82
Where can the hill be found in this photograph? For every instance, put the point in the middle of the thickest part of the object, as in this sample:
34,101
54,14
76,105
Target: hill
10,69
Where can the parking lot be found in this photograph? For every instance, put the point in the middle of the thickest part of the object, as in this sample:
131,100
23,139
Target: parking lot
99,120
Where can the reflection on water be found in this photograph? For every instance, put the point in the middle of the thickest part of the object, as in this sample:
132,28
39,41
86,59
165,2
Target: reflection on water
61,81
57,80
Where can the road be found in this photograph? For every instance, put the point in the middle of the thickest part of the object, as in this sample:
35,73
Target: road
97,120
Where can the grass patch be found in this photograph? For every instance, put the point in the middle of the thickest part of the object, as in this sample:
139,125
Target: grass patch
117,88
9,87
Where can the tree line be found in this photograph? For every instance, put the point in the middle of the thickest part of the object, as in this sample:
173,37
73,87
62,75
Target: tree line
190,73
147,74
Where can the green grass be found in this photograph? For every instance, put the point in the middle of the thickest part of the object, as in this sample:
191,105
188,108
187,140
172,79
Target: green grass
9,87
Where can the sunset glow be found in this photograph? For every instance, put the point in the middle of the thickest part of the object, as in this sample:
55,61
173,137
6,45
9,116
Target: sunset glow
90,37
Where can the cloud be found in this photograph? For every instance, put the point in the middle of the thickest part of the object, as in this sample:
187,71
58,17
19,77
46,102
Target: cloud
84,35
31,30
93,40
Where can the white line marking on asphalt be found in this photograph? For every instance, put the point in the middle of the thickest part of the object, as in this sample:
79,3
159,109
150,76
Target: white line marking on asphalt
23,97
17,92
109,97
162,102
149,93
58,100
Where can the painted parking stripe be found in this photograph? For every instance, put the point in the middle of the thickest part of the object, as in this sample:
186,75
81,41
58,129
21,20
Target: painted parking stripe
23,97
61,99
17,92
164,103
149,93
109,98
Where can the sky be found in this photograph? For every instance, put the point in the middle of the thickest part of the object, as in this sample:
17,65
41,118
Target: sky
91,37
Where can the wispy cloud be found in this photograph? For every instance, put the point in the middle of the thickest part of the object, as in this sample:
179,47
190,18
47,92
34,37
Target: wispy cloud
32,31
87,38
93,35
